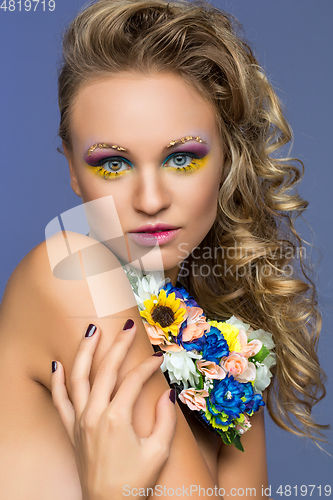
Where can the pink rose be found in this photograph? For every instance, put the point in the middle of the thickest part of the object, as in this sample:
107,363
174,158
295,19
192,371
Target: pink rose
249,349
239,366
171,347
194,399
196,324
155,334
211,369
157,337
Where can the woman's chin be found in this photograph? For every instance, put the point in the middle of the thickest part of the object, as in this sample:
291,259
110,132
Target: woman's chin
154,258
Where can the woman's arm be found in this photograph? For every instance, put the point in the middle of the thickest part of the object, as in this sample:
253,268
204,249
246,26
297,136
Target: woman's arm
45,318
244,474
94,424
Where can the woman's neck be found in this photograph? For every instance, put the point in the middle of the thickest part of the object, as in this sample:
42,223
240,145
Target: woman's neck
172,274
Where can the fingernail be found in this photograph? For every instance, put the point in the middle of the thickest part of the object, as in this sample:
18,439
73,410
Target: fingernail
172,395
90,330
158,353
54,366
128,325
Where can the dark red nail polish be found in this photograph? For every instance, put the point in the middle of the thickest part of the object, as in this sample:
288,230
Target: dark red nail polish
158,353
54,366
90,330
172,395
128,325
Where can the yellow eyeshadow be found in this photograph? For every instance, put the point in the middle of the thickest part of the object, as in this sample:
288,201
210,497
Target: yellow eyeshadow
196,164
106,174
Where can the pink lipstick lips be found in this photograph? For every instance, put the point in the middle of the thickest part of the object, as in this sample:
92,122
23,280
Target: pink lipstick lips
150,234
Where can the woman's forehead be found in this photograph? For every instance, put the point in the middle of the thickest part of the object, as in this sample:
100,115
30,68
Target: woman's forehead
161,107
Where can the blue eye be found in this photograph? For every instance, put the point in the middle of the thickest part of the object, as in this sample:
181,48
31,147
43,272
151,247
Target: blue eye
179,160
114,164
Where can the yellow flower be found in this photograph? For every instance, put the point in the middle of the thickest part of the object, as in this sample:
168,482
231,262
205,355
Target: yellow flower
230,333
164,312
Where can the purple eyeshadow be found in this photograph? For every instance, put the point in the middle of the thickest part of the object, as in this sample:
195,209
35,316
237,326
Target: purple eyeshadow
198,149
99,155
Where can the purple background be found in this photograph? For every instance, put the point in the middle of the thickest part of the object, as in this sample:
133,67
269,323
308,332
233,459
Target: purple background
293,40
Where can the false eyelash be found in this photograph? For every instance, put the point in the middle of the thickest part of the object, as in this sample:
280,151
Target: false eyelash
195,164
110,158
184,169
191,166
100,171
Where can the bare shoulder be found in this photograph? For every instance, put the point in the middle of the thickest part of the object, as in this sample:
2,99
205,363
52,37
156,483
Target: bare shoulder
52,296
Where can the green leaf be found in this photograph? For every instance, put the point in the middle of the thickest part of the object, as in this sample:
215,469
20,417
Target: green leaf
224,436
237,443
262,354
201,383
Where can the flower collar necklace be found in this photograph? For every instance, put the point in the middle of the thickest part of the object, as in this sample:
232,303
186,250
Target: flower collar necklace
218,368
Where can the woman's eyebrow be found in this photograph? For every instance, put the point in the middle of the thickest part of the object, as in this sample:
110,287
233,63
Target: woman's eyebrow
103,146
187,138
174,142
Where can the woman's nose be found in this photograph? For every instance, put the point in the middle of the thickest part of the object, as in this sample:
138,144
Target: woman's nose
151,192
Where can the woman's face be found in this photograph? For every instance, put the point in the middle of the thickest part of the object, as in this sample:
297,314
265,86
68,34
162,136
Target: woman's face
164,167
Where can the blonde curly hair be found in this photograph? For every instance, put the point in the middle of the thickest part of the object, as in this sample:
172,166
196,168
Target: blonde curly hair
265,278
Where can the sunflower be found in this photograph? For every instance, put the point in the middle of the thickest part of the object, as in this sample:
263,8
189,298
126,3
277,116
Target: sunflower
164,312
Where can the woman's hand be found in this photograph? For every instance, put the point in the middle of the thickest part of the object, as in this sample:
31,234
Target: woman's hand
109,454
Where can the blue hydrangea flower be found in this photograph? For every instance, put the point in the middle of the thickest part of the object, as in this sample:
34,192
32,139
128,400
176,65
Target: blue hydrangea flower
191,302
194,344
215,346
180,292
252,401
226,396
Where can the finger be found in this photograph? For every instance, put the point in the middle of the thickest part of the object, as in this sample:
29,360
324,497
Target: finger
127,394
79,377
107,373
163,431
61,401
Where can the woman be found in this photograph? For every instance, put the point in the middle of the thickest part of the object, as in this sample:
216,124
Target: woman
149,196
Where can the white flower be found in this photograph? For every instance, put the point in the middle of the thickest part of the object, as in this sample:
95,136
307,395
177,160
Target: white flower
263,373
149,285
181,367
238,323
208,384
265,337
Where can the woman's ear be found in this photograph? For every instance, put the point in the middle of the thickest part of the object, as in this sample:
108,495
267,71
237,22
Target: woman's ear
72,173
